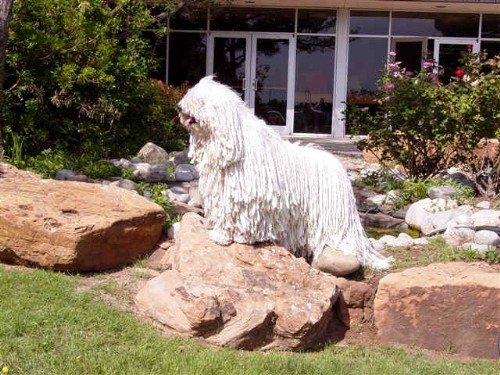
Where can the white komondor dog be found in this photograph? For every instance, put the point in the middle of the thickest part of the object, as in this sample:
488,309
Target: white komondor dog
257,187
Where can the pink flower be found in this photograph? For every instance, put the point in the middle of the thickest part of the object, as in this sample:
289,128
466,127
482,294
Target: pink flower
397,75
469,47
392,53
428,64
392,67
389,86
431,75
409,73
388,98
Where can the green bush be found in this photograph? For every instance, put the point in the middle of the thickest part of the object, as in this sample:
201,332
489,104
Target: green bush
426,126
78,78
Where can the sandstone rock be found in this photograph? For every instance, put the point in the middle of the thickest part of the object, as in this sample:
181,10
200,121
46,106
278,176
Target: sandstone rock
355,302
443,306
336,263
73,226
240,296
153,154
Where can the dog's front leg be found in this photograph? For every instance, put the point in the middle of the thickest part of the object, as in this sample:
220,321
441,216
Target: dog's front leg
220,237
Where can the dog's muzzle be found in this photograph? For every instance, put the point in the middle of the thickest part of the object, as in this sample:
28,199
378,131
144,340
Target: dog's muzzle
186,120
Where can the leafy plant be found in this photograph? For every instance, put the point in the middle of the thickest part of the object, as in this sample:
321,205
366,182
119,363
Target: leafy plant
78,77
426,126
158,194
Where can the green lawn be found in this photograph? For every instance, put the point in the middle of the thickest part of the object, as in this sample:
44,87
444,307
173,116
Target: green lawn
48,327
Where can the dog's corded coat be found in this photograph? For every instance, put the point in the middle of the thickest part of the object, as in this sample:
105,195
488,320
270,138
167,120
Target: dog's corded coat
257,187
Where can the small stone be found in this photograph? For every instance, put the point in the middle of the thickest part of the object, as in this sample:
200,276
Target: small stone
486,218
64,174
378,246
477,247
185,172
391,196
422,241
124,184
376,200
487,237
485,205
173,231
178,190
444,192
181,157
153,154
387,239
336,263
458,236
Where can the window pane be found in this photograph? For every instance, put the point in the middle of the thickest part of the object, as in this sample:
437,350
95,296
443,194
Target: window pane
493,48
245,19
369,23
491,26
184,20
435,24
314,84
187,57
367,57
316,21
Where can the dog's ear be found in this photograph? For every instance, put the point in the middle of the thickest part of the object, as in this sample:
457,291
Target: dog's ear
226,142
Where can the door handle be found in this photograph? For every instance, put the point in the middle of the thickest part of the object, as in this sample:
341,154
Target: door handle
244,84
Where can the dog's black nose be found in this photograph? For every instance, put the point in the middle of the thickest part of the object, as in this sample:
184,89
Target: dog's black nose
179,109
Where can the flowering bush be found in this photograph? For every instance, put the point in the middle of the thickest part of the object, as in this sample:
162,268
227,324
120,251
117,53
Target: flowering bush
427,126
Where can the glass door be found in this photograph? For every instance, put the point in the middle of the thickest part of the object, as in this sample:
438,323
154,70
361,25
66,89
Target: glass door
258,66
447,52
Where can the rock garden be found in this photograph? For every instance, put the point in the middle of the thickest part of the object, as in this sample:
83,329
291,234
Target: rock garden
445,272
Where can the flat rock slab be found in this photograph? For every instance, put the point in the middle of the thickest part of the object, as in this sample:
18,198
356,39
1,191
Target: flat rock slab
73,226
452,307
239,296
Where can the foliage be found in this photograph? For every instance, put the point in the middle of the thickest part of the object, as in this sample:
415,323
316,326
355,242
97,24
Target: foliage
411,190
78,77
426,126
48,325
158,194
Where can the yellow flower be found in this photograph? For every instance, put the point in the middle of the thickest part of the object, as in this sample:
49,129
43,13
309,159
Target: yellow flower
5,370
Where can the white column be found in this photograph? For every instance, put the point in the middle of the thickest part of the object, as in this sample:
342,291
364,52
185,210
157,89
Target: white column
340,76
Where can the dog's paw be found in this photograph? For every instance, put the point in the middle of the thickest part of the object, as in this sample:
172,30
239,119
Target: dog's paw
219,238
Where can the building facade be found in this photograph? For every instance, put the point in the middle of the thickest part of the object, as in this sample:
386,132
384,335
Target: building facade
299,63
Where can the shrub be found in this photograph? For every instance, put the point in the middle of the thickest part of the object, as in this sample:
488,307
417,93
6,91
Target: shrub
78,78
426,126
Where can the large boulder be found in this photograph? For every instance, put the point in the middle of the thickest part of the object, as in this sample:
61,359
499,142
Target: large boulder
73,226
239,296
450,307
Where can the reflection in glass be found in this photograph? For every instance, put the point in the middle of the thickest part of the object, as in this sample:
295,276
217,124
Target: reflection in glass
367,57
492,48
229,62
369,23
187,57
271,69
491,26
314,84
189,20
248,19
316,21
435,24
410,54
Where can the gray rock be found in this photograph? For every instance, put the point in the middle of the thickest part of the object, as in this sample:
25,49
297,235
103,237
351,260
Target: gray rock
444,219
486,218
485,205
153,154
445,192
136,160
177,189
419,213
487,237
456,175
477,247
336,263
377,245
422,241
185,172
196,200
391,196
401,213
64,174
380,220
376,200
181,157
151,172
458,236
121,163
173,231
387,239
124,184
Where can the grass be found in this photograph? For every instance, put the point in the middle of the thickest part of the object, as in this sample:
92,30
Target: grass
47,327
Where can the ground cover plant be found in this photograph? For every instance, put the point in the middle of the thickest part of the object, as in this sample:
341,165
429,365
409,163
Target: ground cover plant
50,325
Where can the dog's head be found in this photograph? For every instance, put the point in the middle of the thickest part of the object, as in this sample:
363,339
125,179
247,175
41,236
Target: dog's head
210,112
